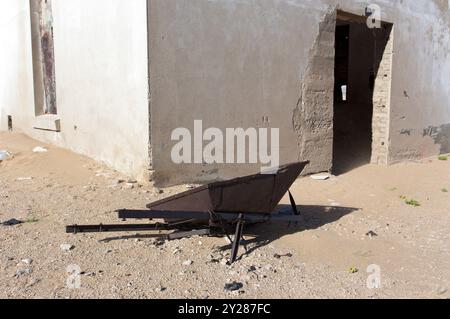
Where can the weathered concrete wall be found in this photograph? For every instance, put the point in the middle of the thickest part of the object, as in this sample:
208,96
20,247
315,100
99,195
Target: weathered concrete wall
230,63
233,63
240,64
420,101
101,79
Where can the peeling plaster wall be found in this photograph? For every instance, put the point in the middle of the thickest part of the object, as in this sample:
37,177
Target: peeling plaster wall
101,61
233,63
421,82
313,116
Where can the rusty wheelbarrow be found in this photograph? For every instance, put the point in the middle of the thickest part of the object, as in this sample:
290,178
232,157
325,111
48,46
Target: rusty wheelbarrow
215,207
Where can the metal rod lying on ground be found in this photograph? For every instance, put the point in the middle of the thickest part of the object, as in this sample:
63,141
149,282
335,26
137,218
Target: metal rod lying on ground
74,229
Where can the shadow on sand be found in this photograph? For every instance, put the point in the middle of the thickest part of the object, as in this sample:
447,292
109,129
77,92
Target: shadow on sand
313,217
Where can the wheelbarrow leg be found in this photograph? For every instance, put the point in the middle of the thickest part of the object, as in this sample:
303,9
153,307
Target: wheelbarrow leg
237,238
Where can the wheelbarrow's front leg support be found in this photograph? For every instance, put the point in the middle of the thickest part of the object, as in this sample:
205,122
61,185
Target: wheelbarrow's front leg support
237,238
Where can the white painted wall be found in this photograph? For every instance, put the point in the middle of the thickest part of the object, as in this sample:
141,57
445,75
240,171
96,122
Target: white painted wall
16,75
101,78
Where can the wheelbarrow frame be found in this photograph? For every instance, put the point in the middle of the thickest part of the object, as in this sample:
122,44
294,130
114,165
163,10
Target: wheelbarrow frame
210,208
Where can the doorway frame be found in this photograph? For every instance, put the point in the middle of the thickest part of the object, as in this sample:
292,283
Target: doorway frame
381,93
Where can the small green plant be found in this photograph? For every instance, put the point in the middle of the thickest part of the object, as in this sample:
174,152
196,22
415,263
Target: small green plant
412,202
353,270
443,158
444,190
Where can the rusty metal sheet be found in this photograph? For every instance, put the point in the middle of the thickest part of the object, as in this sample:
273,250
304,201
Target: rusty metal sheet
259,193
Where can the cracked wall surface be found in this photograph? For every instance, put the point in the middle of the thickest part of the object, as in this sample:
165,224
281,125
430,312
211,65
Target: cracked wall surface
313,116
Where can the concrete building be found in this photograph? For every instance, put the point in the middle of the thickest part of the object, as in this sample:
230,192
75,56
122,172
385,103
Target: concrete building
112,79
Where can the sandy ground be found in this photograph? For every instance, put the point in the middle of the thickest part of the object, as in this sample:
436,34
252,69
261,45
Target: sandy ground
351,221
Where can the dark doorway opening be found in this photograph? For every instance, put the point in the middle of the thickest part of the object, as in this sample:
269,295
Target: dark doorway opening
359,54
10,124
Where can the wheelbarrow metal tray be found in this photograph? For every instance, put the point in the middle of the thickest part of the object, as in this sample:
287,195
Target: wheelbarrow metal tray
257,194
